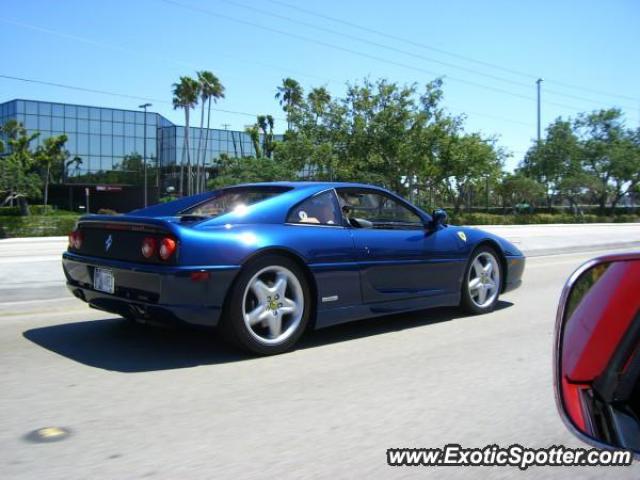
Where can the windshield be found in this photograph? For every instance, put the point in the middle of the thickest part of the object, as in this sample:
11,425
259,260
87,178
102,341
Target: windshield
233,200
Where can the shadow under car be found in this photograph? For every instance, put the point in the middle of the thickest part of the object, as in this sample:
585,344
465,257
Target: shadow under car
120,345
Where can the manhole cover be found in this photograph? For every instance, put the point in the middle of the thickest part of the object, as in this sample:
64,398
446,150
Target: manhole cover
47,434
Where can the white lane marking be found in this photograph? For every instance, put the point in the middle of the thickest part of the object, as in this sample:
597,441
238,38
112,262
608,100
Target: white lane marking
41,300
30,259
545,260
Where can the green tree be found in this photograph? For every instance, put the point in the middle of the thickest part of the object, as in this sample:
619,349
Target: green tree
318,101
254,133
518,188
51,157
18,170
626,167
465,162
185,96
556,156
389,134
233,170
290,96
211,89
611,154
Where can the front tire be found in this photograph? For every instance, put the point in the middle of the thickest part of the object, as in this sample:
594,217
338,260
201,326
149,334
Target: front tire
482,281
269,306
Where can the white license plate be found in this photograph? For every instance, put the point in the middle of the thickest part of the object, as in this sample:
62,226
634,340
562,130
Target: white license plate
103,280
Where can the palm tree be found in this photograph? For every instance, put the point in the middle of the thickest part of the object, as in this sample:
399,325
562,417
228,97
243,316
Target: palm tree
185,95
76,161
265,124
210,89
261,122
269,137
290,95
318,98
254,133
49,155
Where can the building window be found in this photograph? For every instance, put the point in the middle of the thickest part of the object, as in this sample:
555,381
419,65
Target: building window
45,109
70,111
83,112
57,124
128,145
83,126
71,144
31,122
94,144
105,148
83,144
44,123
94,127
31,108
106,128
70,125
106,114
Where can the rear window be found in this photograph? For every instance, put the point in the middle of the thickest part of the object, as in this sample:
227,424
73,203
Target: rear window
233,200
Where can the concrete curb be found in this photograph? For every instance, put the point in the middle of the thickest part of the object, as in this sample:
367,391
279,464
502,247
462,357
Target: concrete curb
543,252
32,240
553,225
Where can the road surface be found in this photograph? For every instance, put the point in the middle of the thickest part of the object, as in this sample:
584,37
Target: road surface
148,403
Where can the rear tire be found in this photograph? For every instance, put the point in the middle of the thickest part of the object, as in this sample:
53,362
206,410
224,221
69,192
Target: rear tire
269,306
482,281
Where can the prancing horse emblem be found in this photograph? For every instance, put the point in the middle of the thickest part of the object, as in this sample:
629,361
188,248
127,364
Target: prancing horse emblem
107,243
462,236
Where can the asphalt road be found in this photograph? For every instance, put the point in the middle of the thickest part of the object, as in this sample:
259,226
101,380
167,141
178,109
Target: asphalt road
147,403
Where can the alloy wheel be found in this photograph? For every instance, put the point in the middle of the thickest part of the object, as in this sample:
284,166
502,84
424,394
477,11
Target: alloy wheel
483,281
273,305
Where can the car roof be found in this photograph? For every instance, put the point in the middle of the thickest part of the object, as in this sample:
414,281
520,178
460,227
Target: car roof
271,210
308,184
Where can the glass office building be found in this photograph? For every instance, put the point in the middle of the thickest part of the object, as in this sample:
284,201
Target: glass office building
101,139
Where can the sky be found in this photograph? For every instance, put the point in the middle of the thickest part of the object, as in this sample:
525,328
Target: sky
488,52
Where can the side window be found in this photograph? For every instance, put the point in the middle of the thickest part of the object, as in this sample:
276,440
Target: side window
377,210
321,209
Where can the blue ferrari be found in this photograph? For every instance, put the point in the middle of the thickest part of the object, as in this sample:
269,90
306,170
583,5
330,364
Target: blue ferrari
266,261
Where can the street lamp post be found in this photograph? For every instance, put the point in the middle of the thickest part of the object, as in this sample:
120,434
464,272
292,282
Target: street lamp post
144,154
538,83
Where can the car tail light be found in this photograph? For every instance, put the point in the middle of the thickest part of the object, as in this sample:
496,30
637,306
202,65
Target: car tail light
167,247
75,239
148,247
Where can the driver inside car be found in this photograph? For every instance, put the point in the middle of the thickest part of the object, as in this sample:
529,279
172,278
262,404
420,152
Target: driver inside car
319,211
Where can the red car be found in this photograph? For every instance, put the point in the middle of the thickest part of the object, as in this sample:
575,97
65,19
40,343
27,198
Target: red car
598,357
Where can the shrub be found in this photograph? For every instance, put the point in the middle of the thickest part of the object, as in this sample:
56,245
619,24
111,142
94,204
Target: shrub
535,219
41,209
10,211
36,226
626,218
107,211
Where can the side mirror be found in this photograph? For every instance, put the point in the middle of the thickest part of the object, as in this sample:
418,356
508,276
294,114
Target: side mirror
597,353
438,217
